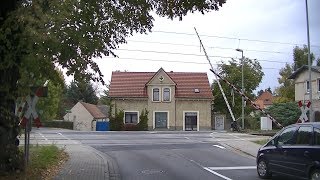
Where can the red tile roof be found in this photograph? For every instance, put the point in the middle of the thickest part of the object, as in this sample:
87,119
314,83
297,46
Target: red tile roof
133,84
264,99
94,110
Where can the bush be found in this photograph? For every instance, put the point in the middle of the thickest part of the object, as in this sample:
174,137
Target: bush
143,121
116,121
285,113
58,124
252,122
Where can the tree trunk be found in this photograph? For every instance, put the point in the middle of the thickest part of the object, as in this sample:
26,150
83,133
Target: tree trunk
10,156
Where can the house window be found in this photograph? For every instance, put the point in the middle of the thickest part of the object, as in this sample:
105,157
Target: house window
166,94
307,86
318,82
131,117
156,94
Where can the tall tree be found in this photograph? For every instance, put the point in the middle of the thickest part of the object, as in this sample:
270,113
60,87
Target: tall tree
105,98
37,35
231,71
81,91
285,91
260,92
300,57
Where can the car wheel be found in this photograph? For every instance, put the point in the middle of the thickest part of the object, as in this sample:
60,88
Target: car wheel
315,174
262,169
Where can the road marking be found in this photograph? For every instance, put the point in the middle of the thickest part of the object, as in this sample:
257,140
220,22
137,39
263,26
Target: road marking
221,147
217,174
43,136
233,168
187,138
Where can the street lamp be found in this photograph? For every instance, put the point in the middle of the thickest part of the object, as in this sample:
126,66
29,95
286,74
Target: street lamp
242,86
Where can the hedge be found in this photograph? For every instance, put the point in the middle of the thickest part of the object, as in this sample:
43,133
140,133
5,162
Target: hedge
58,124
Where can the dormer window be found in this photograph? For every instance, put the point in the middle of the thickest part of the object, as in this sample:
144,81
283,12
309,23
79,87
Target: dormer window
156,94
166,94
196,91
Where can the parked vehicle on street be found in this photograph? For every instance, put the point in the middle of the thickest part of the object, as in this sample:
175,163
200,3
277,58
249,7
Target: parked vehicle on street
294,151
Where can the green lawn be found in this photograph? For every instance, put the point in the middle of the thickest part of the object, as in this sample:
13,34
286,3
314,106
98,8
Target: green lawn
261,142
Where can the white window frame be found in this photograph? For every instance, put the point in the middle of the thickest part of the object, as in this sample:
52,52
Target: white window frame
169,94
124,116
306,86
184,119
154,119
159,94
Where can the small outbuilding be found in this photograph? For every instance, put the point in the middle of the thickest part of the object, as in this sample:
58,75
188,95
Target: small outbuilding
85,116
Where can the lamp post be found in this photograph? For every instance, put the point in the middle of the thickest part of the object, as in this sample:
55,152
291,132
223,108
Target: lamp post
311,119
242,86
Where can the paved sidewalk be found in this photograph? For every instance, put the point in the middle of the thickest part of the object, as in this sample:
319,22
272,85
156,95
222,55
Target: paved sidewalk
87,163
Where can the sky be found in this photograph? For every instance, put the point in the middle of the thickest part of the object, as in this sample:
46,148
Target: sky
266,30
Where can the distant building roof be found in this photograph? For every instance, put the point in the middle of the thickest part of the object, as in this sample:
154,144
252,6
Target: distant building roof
303,68
94,110
265,99
133,84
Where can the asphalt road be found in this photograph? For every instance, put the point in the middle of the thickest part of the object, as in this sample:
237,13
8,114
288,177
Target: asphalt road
162,155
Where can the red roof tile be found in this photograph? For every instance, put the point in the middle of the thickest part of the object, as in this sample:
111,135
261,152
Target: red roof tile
133,84
94,110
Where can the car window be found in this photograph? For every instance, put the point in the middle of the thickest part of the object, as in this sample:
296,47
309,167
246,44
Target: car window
316,136
304,135
287,136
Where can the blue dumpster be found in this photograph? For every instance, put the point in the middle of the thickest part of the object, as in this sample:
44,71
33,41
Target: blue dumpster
102,126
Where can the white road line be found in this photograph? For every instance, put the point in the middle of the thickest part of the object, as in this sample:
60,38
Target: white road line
187,138
43,136
221,147
217,174
233,168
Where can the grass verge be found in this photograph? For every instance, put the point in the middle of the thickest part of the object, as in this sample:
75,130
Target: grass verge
45,162
261,142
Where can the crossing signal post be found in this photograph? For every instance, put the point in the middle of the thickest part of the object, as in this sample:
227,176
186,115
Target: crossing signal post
29,103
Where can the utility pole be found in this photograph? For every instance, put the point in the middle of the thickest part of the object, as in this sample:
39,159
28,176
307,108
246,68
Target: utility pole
309,66
242,87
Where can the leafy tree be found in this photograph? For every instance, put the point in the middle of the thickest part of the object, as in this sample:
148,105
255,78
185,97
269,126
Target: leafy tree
81,91
49,106
285,113
116,121
105,98
269,90
232,72
38,35
260,92
300,57
286,89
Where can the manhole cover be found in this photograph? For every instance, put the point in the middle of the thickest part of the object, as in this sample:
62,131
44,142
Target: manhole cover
151,171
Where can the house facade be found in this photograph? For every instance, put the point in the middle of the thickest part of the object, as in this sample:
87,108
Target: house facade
175,100
85,116
302,87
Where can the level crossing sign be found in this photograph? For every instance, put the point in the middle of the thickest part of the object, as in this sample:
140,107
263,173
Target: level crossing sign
304,109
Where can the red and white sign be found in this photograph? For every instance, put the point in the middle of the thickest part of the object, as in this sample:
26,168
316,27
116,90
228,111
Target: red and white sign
304,109
31,111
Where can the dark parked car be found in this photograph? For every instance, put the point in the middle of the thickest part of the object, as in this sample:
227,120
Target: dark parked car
294,151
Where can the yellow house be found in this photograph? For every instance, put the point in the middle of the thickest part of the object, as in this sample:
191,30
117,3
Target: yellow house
175,100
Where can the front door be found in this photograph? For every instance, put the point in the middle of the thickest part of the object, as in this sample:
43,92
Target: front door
191,121
161,119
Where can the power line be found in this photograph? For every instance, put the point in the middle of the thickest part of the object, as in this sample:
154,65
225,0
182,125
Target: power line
213,47
234,38
173,61
190,54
